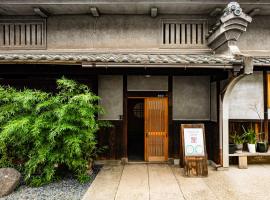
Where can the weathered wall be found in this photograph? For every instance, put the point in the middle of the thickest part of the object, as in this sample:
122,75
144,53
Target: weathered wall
143,83
256,37
191,98
246,95
106,31
110,89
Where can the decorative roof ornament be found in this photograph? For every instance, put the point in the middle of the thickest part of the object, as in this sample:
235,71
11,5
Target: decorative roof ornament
233,7
225,33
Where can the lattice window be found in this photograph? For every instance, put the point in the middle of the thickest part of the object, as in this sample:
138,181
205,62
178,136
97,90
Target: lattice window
183,34
23,34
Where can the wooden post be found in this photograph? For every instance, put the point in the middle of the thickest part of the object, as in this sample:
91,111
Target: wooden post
125,120
266,104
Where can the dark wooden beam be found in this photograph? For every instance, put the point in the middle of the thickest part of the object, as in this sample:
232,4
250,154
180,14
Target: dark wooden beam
265,104
125,118
41,12
94,11
154,12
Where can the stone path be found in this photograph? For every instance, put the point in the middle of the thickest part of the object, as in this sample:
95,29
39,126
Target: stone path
162,181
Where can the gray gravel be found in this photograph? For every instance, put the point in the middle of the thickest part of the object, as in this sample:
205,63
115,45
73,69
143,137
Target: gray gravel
67,189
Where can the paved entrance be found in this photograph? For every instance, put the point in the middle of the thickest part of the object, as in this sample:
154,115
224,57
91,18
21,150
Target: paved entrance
161,181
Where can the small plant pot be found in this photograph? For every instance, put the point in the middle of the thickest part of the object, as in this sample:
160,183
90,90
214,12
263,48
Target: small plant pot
238,148
252,148
232,148
262,147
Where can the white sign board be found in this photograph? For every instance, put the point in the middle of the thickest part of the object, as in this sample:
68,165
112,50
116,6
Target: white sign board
194,142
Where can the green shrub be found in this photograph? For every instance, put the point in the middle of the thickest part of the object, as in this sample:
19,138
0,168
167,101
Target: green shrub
42,133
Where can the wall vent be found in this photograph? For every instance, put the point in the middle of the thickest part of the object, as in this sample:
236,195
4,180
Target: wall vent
23,34
183,34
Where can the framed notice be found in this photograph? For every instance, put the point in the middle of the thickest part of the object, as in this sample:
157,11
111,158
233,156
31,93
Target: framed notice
194,150
194,141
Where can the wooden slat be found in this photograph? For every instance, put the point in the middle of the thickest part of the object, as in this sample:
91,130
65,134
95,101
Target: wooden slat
199,34
23,38
39,34
166,32
177,34
194,34
268,89
1,35
28,35
172,34
188,31
7,43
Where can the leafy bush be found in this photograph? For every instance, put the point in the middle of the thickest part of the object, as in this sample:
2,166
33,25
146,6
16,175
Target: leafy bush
43,133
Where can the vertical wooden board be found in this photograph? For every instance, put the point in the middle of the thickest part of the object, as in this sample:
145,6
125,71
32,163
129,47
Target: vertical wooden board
39,35
172,33
17,35
28,35
7,35
11,34
199,34
23,36
166,32
183,34
177,34
33,34
1,35
188,31
194,34
202,33
268,89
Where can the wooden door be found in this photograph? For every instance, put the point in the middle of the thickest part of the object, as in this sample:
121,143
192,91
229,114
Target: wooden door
156,128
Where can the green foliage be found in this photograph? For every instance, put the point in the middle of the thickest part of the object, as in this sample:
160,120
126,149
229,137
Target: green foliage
237,139
250,135
42,133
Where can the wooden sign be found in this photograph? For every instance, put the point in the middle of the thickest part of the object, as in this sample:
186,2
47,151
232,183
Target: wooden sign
194,150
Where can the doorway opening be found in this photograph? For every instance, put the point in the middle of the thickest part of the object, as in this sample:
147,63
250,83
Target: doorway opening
147,129
136,129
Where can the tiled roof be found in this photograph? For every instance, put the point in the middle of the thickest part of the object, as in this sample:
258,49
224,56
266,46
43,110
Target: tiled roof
132,58
126,58
261,60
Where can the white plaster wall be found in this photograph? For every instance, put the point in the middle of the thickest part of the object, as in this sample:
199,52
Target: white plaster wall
214,101
191,97
110,89
247,94
143,83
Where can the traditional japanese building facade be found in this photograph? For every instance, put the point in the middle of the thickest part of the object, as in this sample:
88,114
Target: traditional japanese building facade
155,65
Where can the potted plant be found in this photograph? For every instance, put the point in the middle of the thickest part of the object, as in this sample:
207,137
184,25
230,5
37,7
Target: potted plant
262,145
250,138
238,141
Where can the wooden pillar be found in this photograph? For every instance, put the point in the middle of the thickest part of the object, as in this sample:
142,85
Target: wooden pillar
219,154
125,120
265,95
172,150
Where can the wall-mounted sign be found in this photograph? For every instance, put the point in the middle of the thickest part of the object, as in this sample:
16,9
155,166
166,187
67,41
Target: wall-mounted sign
194,141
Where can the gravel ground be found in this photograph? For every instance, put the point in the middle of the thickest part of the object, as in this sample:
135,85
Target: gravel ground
67,189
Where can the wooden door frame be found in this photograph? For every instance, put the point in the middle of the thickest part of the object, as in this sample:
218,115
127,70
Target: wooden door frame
143,95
